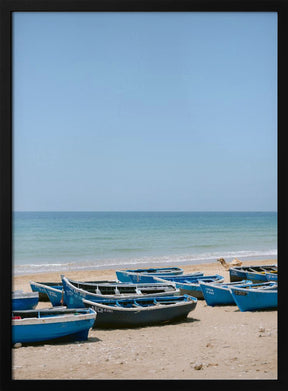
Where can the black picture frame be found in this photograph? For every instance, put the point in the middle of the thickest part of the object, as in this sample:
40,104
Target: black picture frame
6,188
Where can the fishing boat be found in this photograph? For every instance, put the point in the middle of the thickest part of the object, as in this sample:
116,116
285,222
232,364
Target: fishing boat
54,293
256,296
44,287
216,293
189,284
41,288
260,275
75,291
24,300
141,311
49,324
256,273
144,275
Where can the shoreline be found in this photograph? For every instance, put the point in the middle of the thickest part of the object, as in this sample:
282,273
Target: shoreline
22,281
162,261
222,342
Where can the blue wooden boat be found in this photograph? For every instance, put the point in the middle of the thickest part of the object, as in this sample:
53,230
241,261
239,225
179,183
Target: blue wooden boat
41,288
260,275
76,291
189,284
24,300
140,275
238,273
141,311
54,293
44,287
44,325
256,296
216,293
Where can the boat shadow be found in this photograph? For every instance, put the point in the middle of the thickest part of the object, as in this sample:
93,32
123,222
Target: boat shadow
61,342
160,325
260,310
184,321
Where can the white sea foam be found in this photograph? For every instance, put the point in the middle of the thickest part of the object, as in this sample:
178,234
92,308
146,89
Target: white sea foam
66,241
147,261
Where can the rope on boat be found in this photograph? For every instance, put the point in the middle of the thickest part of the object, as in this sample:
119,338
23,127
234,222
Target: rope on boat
62,297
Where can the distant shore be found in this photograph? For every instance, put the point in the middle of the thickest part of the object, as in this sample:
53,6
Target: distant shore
213,343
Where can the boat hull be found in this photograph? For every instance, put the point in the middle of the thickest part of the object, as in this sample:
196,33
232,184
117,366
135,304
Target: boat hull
146,275
189,284
112,317
26,301
219,294
272,277
56,297
54,293
253,273
136,278
236,275
71,326
256,277
41,288
255,299
192,290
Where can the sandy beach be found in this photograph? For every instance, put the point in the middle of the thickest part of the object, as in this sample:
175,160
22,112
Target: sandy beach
212,343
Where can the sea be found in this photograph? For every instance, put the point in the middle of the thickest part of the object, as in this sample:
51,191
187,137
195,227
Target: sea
68,241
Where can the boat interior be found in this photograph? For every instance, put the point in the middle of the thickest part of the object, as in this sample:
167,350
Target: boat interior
123,289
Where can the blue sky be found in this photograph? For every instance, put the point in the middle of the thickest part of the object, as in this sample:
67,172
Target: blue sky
145,111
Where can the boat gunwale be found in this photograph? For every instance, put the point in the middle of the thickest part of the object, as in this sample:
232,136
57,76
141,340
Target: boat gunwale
135,294
192,283
160,270
187,301
121,284
255,290
43,285
245,268
60,318
24,295
225,285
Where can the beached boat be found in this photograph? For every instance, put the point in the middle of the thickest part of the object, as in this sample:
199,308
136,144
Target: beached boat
75,291
254,273
256,296
54,293
189,284
44,325
142,275
260,275
41,288
24,300
44,287
142,311
216,293
108,288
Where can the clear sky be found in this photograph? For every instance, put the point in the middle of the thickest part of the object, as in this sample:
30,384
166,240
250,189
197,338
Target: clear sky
145,111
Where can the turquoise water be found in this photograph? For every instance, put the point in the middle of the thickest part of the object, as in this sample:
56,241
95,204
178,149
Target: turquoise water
59,241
